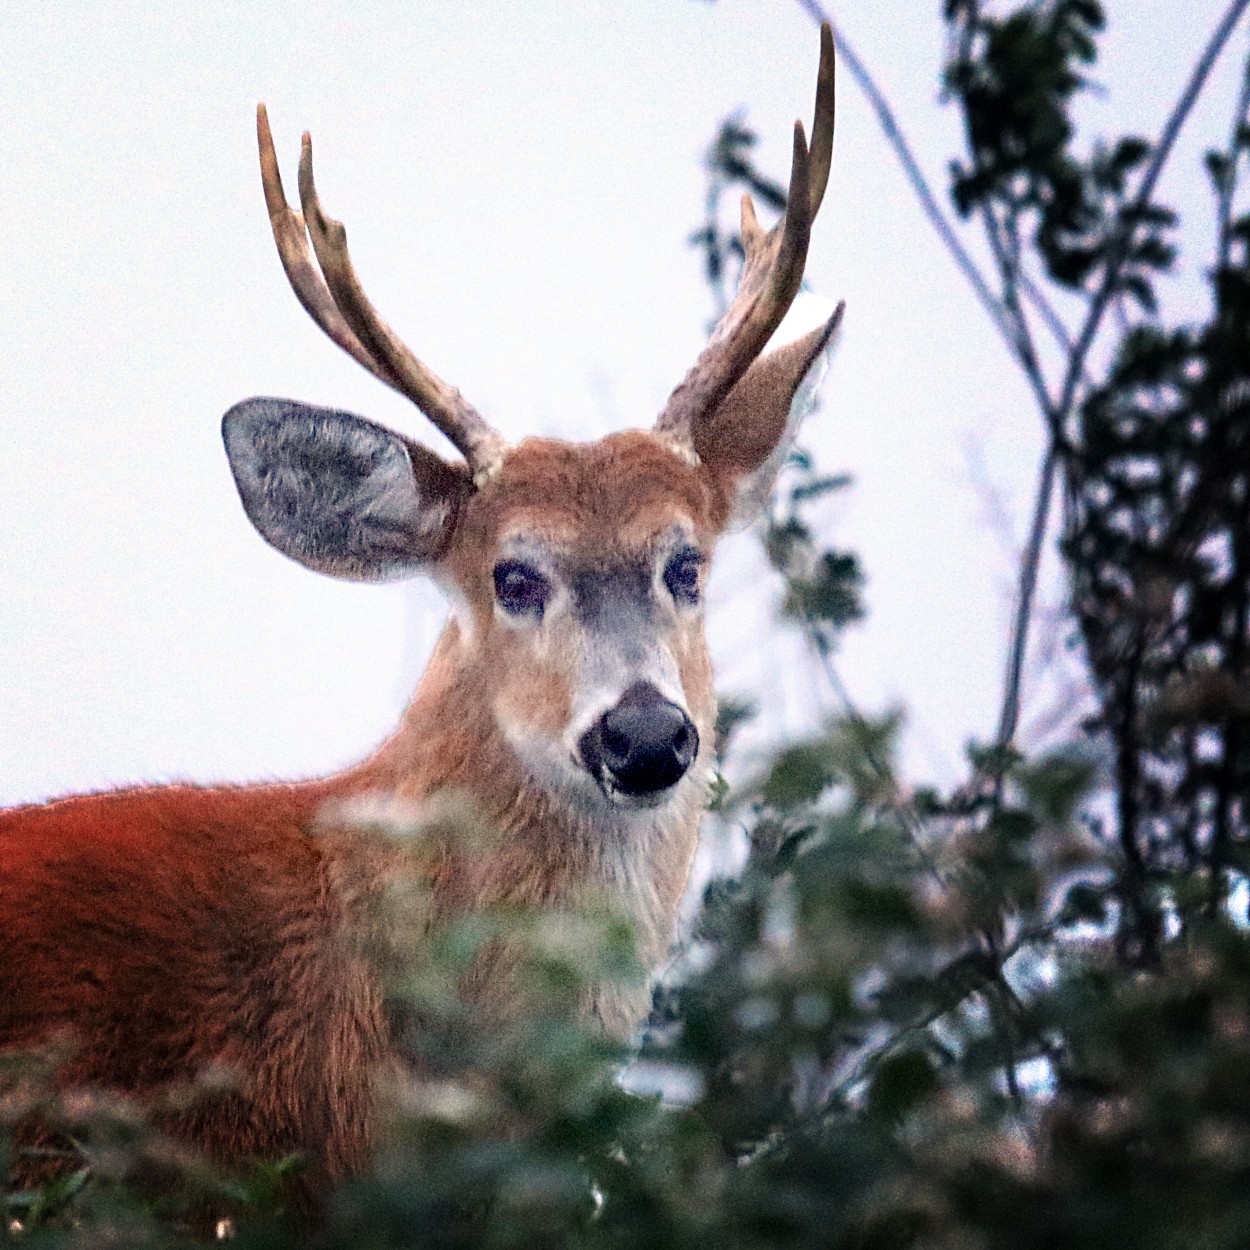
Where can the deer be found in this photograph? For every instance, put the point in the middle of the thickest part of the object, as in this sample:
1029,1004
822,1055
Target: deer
172,930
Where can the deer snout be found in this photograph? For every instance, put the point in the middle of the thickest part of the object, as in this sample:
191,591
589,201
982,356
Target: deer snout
642,745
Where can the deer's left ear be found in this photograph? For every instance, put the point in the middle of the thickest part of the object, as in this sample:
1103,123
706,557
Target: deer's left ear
744,443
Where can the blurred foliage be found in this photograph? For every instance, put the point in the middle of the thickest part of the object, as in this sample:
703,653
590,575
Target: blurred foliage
822,585
1152,452
729,166
1016,1014
1015,78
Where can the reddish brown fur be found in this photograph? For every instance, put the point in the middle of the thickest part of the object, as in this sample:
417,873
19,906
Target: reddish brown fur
169,931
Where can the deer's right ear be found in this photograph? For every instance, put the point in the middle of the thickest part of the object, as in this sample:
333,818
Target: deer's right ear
340,494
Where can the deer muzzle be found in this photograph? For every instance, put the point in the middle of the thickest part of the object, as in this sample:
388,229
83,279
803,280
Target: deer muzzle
642,746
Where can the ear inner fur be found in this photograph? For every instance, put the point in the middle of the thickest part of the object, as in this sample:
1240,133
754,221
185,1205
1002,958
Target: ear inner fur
745,429
340,494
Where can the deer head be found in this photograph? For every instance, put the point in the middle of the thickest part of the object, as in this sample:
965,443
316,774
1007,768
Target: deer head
575,570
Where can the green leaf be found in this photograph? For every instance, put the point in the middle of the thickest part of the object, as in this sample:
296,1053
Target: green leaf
901,1083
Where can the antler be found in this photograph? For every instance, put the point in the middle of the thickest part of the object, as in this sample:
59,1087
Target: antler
334,298
771,272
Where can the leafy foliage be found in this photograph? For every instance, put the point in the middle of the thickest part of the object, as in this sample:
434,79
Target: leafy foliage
1151,455
1015,78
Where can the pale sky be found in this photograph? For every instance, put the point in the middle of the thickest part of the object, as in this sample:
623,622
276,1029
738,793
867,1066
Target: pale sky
518,182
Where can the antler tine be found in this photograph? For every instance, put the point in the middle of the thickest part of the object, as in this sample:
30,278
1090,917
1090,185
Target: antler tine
305,279
482,446
771,273
773,265
823,116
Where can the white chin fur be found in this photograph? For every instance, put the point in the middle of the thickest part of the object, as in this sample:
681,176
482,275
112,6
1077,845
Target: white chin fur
621,800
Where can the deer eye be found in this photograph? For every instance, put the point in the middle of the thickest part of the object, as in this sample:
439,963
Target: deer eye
520,589
681,575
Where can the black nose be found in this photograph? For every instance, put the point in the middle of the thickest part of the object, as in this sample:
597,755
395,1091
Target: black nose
642,745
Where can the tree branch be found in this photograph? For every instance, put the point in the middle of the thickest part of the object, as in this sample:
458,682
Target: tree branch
1009,715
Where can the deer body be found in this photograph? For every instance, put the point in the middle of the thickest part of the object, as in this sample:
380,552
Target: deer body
170,932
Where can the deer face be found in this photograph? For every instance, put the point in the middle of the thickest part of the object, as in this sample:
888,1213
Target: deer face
580,569
576,570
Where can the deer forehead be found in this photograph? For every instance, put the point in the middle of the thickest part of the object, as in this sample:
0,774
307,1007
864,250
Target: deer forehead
590,504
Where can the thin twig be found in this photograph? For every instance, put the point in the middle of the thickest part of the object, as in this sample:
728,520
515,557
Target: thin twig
1009,715
1059,332
902,149
1006,257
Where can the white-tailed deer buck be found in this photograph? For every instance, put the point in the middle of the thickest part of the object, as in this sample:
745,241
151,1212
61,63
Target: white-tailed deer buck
177,929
